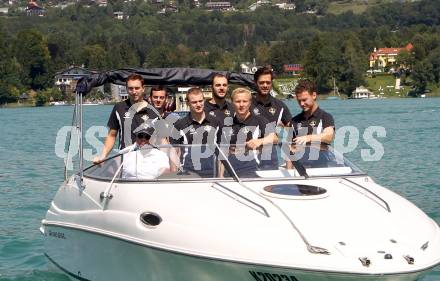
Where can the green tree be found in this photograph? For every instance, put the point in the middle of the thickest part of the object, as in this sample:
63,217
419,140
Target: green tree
33,55
9,72
422,74
95,57
320,63
351,65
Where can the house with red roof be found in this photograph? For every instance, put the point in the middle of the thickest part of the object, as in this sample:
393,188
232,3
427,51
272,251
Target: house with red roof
292,68
33,9
384,57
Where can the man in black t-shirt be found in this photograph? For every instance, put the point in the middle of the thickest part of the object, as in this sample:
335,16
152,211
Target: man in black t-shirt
120,122
248,133
218,106
273,109
312,124
197,128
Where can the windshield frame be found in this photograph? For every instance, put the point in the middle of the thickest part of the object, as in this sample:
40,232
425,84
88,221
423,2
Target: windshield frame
175,177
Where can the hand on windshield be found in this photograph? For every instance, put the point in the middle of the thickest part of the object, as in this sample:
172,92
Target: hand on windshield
98,160
301,140
253,144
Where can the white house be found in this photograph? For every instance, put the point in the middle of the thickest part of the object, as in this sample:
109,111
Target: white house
362,93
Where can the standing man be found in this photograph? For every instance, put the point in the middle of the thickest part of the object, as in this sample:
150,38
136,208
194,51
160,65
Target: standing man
121,117
197,128
218,103
274,110
248,133
312,124
158,98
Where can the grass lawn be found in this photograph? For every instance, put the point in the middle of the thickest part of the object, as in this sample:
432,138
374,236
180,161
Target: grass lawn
385,84
284,85
357,7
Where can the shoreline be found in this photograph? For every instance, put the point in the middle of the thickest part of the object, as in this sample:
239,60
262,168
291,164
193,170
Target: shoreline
321,97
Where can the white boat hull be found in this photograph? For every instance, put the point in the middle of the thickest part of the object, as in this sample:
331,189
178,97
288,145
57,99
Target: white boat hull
90,256
211,233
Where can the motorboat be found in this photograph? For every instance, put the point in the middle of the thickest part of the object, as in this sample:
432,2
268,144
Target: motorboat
309,215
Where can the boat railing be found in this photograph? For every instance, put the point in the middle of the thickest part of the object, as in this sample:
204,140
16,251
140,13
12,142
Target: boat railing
386,205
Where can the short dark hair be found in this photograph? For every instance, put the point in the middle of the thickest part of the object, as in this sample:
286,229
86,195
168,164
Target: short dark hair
159,88
305,85
193,91
263,71
217,74
135,76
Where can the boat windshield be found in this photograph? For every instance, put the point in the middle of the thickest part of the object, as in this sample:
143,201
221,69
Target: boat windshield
189,162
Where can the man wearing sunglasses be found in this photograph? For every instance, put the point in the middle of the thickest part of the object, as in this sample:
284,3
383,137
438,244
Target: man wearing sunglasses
143,160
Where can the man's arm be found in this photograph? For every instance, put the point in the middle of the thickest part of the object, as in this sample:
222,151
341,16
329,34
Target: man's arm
286,116
108,146
325,137
256,143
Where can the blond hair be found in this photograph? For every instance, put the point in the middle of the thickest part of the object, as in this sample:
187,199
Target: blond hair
241,91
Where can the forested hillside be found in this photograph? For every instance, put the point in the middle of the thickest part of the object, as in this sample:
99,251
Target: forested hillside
33,48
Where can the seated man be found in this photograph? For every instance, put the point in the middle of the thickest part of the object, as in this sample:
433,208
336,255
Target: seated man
144,161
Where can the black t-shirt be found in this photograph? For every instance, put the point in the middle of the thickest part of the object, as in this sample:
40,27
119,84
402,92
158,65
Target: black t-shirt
314,124
122,117
190,131
244,161
253,127
274,110
223,113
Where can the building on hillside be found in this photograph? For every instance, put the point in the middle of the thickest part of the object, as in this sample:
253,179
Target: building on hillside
385,57
67,79
362,93
4,11
33,9
259,3
101,3
249,67
169,8
286,6
195,4
24,97
119,92
292,69
219,6
120,15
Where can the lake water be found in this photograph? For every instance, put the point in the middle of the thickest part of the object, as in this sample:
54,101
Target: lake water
30,171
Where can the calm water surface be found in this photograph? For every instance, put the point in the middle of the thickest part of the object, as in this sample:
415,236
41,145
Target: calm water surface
30,172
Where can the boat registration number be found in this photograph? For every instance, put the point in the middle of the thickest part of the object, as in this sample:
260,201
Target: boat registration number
266,276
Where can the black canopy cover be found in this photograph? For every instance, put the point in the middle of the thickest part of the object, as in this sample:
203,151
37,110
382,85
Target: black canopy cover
162,76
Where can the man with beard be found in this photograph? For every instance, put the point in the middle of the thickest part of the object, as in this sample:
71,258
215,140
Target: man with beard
218,106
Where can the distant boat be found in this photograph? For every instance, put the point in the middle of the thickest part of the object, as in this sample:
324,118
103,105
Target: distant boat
333,98
58,103
93,103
